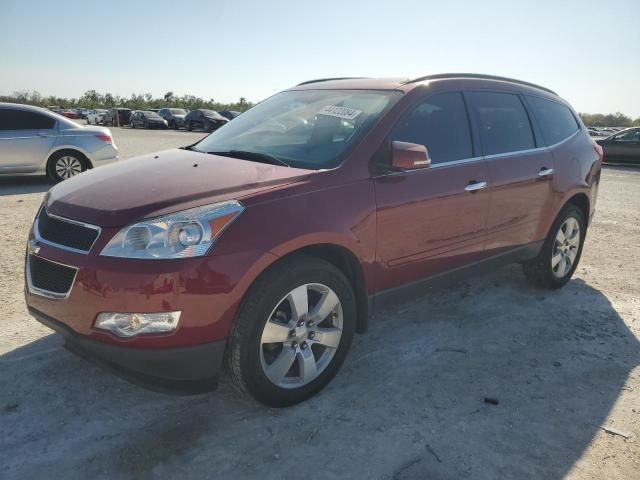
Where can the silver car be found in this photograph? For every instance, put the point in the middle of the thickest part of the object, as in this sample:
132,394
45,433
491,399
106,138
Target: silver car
33,139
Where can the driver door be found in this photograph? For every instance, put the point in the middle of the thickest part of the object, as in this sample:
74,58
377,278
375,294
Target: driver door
433,219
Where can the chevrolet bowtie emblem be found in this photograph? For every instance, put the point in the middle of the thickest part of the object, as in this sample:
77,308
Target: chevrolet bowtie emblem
32,247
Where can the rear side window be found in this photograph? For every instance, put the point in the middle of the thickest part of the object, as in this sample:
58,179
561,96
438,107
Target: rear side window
630,136
441,124
24,120
556,121
504,123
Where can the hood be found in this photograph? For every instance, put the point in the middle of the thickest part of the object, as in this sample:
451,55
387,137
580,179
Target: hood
124,192
179,115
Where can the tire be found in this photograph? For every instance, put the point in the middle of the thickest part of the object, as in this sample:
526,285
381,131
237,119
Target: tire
187,126
557,261
65,164
252,361
172,124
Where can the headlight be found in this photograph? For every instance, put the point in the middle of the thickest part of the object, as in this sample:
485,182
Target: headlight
189,233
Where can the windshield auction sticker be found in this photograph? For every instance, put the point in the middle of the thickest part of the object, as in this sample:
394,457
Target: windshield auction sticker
340,112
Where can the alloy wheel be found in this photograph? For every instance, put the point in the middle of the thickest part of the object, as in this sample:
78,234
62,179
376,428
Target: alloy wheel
68,166
301,336
565,248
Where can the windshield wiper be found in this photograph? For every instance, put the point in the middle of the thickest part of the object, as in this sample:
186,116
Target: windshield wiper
253,156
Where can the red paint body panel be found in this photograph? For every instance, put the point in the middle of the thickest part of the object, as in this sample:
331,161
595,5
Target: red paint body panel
399,227
520,200
428,223
163,182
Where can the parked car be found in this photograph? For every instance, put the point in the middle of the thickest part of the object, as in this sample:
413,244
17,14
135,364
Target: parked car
201,119
55,109
95,116
82,112
229,114
173,116
70,113
267,242
147,119
123,117
33,139
622,147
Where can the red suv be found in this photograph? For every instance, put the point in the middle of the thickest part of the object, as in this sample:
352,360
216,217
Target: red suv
265,245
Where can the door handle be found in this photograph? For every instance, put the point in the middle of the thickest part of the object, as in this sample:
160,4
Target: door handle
43,135
545,172
474,186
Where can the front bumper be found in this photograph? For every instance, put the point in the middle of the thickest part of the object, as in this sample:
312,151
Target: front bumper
186,370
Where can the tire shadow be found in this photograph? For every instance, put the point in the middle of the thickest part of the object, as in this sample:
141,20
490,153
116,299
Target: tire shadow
23,184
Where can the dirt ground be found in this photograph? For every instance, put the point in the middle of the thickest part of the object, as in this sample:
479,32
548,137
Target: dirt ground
408,403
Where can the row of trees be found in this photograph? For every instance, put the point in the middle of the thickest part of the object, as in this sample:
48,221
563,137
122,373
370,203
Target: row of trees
610,120
94,99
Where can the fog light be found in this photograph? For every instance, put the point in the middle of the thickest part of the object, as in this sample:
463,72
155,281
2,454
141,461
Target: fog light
131,324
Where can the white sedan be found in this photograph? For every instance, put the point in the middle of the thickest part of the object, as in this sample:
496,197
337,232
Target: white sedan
95,116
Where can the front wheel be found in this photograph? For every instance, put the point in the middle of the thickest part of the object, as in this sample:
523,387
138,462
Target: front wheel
557,261
293,331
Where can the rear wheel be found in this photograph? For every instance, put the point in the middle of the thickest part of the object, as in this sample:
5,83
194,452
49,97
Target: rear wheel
65,164
561,251
187,126
293,331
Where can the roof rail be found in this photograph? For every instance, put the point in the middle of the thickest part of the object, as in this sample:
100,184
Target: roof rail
328,80
480,76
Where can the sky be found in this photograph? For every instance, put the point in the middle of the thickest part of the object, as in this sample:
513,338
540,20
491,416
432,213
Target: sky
587,51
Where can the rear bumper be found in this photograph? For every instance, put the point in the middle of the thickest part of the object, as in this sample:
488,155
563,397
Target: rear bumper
104,156
183,370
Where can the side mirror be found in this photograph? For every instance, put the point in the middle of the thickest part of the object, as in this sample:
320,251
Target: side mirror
409,156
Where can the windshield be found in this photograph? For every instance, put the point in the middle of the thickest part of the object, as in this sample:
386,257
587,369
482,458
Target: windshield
306,129
178,111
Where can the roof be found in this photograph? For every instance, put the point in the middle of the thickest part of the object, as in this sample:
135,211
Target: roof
352,83
406,84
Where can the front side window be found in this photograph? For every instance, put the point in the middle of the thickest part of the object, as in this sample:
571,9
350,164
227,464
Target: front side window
305,128
440,124
503,122
11,119
556,121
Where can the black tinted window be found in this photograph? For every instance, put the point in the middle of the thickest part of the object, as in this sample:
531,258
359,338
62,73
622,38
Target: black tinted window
629,136
24,120
504,123
440,124
556,121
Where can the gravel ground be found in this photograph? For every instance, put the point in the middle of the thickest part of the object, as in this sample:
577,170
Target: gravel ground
408,403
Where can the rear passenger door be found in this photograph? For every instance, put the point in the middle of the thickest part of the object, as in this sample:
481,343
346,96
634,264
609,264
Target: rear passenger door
521,170
433,219
25,139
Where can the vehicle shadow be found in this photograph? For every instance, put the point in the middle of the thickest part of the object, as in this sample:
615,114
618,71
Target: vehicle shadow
409,403
23,184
